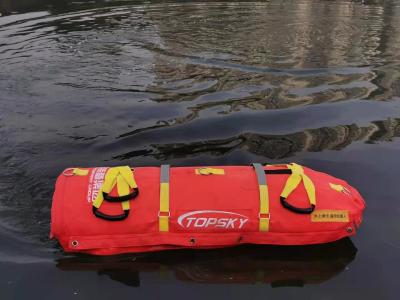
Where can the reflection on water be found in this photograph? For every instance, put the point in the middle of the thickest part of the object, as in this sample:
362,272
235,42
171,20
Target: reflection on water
278,146
99,82
276,265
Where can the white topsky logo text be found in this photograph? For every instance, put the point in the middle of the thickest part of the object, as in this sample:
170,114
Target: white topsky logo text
219,219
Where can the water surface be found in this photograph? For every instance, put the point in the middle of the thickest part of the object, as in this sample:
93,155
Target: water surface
185,83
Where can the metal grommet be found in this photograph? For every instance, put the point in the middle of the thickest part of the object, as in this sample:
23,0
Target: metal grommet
75,243
349,229
192,241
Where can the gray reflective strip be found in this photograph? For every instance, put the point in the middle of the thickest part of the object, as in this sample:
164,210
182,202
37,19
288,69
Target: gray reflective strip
164,178
262,179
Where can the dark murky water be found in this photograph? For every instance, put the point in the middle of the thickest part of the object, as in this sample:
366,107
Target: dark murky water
140,83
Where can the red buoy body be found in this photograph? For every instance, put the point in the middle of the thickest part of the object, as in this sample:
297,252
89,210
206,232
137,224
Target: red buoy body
116,210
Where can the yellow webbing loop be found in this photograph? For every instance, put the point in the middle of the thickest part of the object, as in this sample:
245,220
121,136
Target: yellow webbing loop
123,178
164,208
210,171
80,172
264,215
294,180
336,187
163,214
264,208
339,188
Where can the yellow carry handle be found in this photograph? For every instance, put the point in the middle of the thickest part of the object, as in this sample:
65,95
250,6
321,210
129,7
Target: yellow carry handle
292,183
124,179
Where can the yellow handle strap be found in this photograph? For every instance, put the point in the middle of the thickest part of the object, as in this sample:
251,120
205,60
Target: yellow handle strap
294,180
163,214
123,189
123,178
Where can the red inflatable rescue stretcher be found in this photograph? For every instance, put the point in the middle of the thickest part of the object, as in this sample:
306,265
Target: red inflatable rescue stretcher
115,210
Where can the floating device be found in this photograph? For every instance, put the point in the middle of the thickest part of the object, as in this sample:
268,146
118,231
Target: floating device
115,210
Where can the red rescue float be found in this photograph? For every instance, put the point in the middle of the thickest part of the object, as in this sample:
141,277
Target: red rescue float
116,210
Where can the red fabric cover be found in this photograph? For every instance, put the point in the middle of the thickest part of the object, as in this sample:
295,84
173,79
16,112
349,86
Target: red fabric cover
235,194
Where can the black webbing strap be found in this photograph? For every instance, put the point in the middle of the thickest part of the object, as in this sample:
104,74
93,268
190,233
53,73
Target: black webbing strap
279,171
